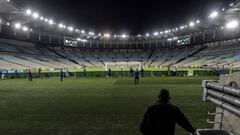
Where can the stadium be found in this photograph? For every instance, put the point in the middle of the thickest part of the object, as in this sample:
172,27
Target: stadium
97,94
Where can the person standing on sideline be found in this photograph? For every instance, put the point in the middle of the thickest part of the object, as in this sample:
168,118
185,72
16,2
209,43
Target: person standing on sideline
131,72
162,117
137,77
30,77
61,75
84,72
142,72
109,72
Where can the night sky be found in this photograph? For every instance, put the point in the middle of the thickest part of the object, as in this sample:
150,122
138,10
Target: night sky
124,16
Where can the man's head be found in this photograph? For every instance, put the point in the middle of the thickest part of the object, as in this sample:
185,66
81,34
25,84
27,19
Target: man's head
164,95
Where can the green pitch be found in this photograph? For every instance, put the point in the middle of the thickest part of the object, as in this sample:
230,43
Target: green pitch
100,106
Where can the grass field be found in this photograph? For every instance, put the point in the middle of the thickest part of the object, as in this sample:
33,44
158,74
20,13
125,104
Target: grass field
96,106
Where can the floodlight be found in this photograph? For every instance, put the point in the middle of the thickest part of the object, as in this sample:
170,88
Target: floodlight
25,28
8,0
214,14
182,27
46,20
28,11
139,35
232,24
78,39
42,18
147,35
124,36
35,15
50,22
107,35
99,34
77,30
91,33
8,24
191,24
155,33
17,25
60,25
198,21
70,28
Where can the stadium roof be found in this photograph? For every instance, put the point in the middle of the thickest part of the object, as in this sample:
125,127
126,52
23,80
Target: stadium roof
10,13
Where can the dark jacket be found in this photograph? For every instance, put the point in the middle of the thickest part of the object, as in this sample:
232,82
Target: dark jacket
161,118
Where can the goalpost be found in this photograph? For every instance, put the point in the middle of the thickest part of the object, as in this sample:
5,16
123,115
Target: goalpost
122,65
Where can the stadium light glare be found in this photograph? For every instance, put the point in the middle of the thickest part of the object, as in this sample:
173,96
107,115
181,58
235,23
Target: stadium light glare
46,20
28,11
83,32
25,28
198,21
8,24
124,36
182,27
17,25
91,33
51,22
155,33
42,18
77,30
191,24
214,14
231,4
139,35
107,35
166,31
147,35
35,15
8,0
232,24
70,28
60,25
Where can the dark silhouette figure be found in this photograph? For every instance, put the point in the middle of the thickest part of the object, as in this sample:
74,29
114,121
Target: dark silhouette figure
142,72
161,118
109,72
84,72
61,75
131,72
137,77
30,77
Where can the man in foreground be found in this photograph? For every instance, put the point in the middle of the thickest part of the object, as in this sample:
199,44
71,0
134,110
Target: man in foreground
162,117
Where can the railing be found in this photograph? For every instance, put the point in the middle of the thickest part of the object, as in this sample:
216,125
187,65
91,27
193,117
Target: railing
223,96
